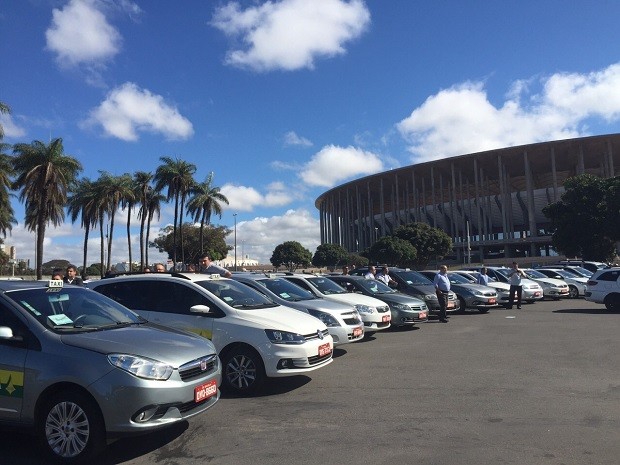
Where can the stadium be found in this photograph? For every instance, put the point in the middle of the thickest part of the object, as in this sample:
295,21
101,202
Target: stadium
490,203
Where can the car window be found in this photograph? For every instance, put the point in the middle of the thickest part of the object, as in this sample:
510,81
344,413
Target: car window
8,318
286,290
412,278
236,294
326,286
456,278
609,276
534,274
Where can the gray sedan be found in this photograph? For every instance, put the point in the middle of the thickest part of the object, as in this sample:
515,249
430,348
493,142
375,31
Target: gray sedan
80,369
470,295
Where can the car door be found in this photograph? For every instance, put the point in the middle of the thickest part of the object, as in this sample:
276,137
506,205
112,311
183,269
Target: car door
13,352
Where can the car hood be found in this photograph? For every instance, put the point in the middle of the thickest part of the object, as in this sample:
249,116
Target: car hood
330,306
168,345
499,285
399,298
284,319
353,298
552,281
471,287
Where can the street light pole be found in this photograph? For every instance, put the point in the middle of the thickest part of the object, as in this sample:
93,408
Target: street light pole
235,216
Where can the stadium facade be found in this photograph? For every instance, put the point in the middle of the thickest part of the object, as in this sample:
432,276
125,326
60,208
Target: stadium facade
490,203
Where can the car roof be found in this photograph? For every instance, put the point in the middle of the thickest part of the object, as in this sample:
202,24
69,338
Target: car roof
11,285
163,276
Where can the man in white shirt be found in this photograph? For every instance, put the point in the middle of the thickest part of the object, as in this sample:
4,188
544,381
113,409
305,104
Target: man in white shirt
384,276
370,274
515,276
442,289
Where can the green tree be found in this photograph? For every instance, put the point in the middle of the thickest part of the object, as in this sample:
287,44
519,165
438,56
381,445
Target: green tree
154,201
205,200
357,260
393,251
82,203
330,255
584,221
142,187
4,109
7,214
214,239
177,176
430,243
292,255
44,174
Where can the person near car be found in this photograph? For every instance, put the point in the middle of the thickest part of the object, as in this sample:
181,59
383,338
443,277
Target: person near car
208,267
384,276
370,274
483,277
442,289
159,268
71,276
345,270
516,288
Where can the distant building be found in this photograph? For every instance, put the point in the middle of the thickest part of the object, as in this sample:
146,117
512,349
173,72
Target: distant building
242,261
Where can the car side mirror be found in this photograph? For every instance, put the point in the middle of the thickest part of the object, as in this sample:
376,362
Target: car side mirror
6,332
200,309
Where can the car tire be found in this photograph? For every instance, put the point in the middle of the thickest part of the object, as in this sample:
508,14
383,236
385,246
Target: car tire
612,302
243,372
573,292
483,310
463,305
70,427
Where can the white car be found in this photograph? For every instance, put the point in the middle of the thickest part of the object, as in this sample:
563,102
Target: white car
532,291
552,288
604,288
502,289
342,320
576,284
254,337
375,313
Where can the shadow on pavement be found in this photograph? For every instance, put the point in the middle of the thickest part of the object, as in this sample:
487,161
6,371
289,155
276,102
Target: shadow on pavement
588,311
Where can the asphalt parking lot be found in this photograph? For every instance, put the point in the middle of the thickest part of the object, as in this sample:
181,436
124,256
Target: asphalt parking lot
539,385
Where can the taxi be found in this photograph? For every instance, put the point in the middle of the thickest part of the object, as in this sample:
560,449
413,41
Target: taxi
80,369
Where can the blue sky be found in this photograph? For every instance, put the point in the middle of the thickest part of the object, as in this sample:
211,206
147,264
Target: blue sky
285,99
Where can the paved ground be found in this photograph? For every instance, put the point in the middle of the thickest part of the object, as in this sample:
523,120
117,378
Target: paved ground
534,386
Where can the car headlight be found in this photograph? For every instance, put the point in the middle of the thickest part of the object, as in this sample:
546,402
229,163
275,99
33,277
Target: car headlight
478,293
284,337
430,297
326,318
402,307
141,367
365,309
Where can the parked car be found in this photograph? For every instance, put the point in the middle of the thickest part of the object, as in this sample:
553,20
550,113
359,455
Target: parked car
502,289
417,285
254,337
576,283
406,310
552,288
374,312
470,295
575,270
342,320
79,369
604,288
591,266
531,290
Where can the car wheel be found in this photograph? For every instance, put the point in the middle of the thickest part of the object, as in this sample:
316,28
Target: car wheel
612,302
463,305
573,292
71,427
243,372
483,310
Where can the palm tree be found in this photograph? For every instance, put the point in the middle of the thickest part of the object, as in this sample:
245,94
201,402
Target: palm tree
128,200
4,108
178,177
142,186
205,200
154,200
44,174
83,202
7,215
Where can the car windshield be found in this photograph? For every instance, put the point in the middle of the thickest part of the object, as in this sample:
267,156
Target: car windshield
73,309
567,274
471,277
581,271
374,287
286,290
236,294
456,278
534,274
413,278
326,286
504,272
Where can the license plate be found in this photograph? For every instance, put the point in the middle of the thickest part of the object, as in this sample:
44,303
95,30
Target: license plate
491,301
450,305
536,294
357,332
422,314
386,318
205,391
324,349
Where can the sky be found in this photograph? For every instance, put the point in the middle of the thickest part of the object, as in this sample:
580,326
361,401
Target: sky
284,99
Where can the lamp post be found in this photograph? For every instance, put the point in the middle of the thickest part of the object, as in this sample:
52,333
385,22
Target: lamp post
235,216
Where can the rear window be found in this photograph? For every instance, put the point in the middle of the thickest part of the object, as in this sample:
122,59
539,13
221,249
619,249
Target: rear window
611,275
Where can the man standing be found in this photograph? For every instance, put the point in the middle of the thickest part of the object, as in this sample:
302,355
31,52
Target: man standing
208,267
483,277
515,285
384,276
370,274
442,289
71,277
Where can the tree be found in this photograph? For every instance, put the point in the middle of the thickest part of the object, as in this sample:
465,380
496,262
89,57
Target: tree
205,200
4,109
142,187
584,221
7,214
392,251
429,242
83,203
330,255
292,255
357,260
154,201
215,242
44,174
178,177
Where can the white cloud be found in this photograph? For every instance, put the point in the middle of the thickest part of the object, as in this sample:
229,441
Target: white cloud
80,33
10,128
462,120
291,138
258,238
128,110
334,164
243,198
290,34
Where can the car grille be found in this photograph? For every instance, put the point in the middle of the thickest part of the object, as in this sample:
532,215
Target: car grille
351,319
194,369
315,360
313,336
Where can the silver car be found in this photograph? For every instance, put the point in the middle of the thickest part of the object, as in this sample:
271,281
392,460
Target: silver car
80,369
